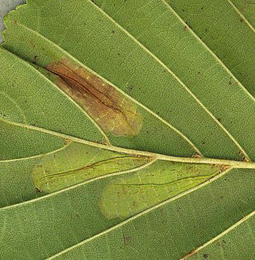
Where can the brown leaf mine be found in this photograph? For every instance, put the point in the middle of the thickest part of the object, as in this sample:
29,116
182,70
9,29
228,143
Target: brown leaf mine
109,108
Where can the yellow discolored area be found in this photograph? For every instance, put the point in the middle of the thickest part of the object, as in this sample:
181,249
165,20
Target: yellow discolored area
133,193
79,163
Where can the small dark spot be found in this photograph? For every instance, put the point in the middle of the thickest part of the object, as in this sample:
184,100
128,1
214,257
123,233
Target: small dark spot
118,54
205,255
113,31
130,88
203,142
126,239
202,8
77,215
219,119
241,20
229,83
35,60
221,197
32,43
183,10
37,190
185,28
199,72
206,30
15,22
134,202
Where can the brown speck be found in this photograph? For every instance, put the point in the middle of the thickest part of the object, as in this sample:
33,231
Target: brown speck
219,119
185,28
203,142
113,31
105,141
32,43
205,255
15,22
197,155
246,159
67,141
193,252
126,239
199,72
37,190
202,8
241,20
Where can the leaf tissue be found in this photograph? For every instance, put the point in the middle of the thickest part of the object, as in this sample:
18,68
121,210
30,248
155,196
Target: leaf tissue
127,130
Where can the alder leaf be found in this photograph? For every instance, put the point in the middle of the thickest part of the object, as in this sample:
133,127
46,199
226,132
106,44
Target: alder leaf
127,130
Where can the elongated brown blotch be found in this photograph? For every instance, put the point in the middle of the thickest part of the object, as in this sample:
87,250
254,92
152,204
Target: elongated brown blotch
108,107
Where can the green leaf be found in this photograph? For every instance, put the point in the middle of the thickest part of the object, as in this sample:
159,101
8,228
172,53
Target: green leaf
127,130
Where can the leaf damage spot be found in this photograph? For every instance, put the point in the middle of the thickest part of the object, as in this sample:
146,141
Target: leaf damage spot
110,109
126,239
56,172
133,193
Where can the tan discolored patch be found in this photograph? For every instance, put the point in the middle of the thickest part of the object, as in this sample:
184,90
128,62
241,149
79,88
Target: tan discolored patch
109,108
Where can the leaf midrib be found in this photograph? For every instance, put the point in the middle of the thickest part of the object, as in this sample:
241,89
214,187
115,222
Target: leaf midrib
202,160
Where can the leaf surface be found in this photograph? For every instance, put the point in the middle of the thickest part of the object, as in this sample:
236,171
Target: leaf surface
127,130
